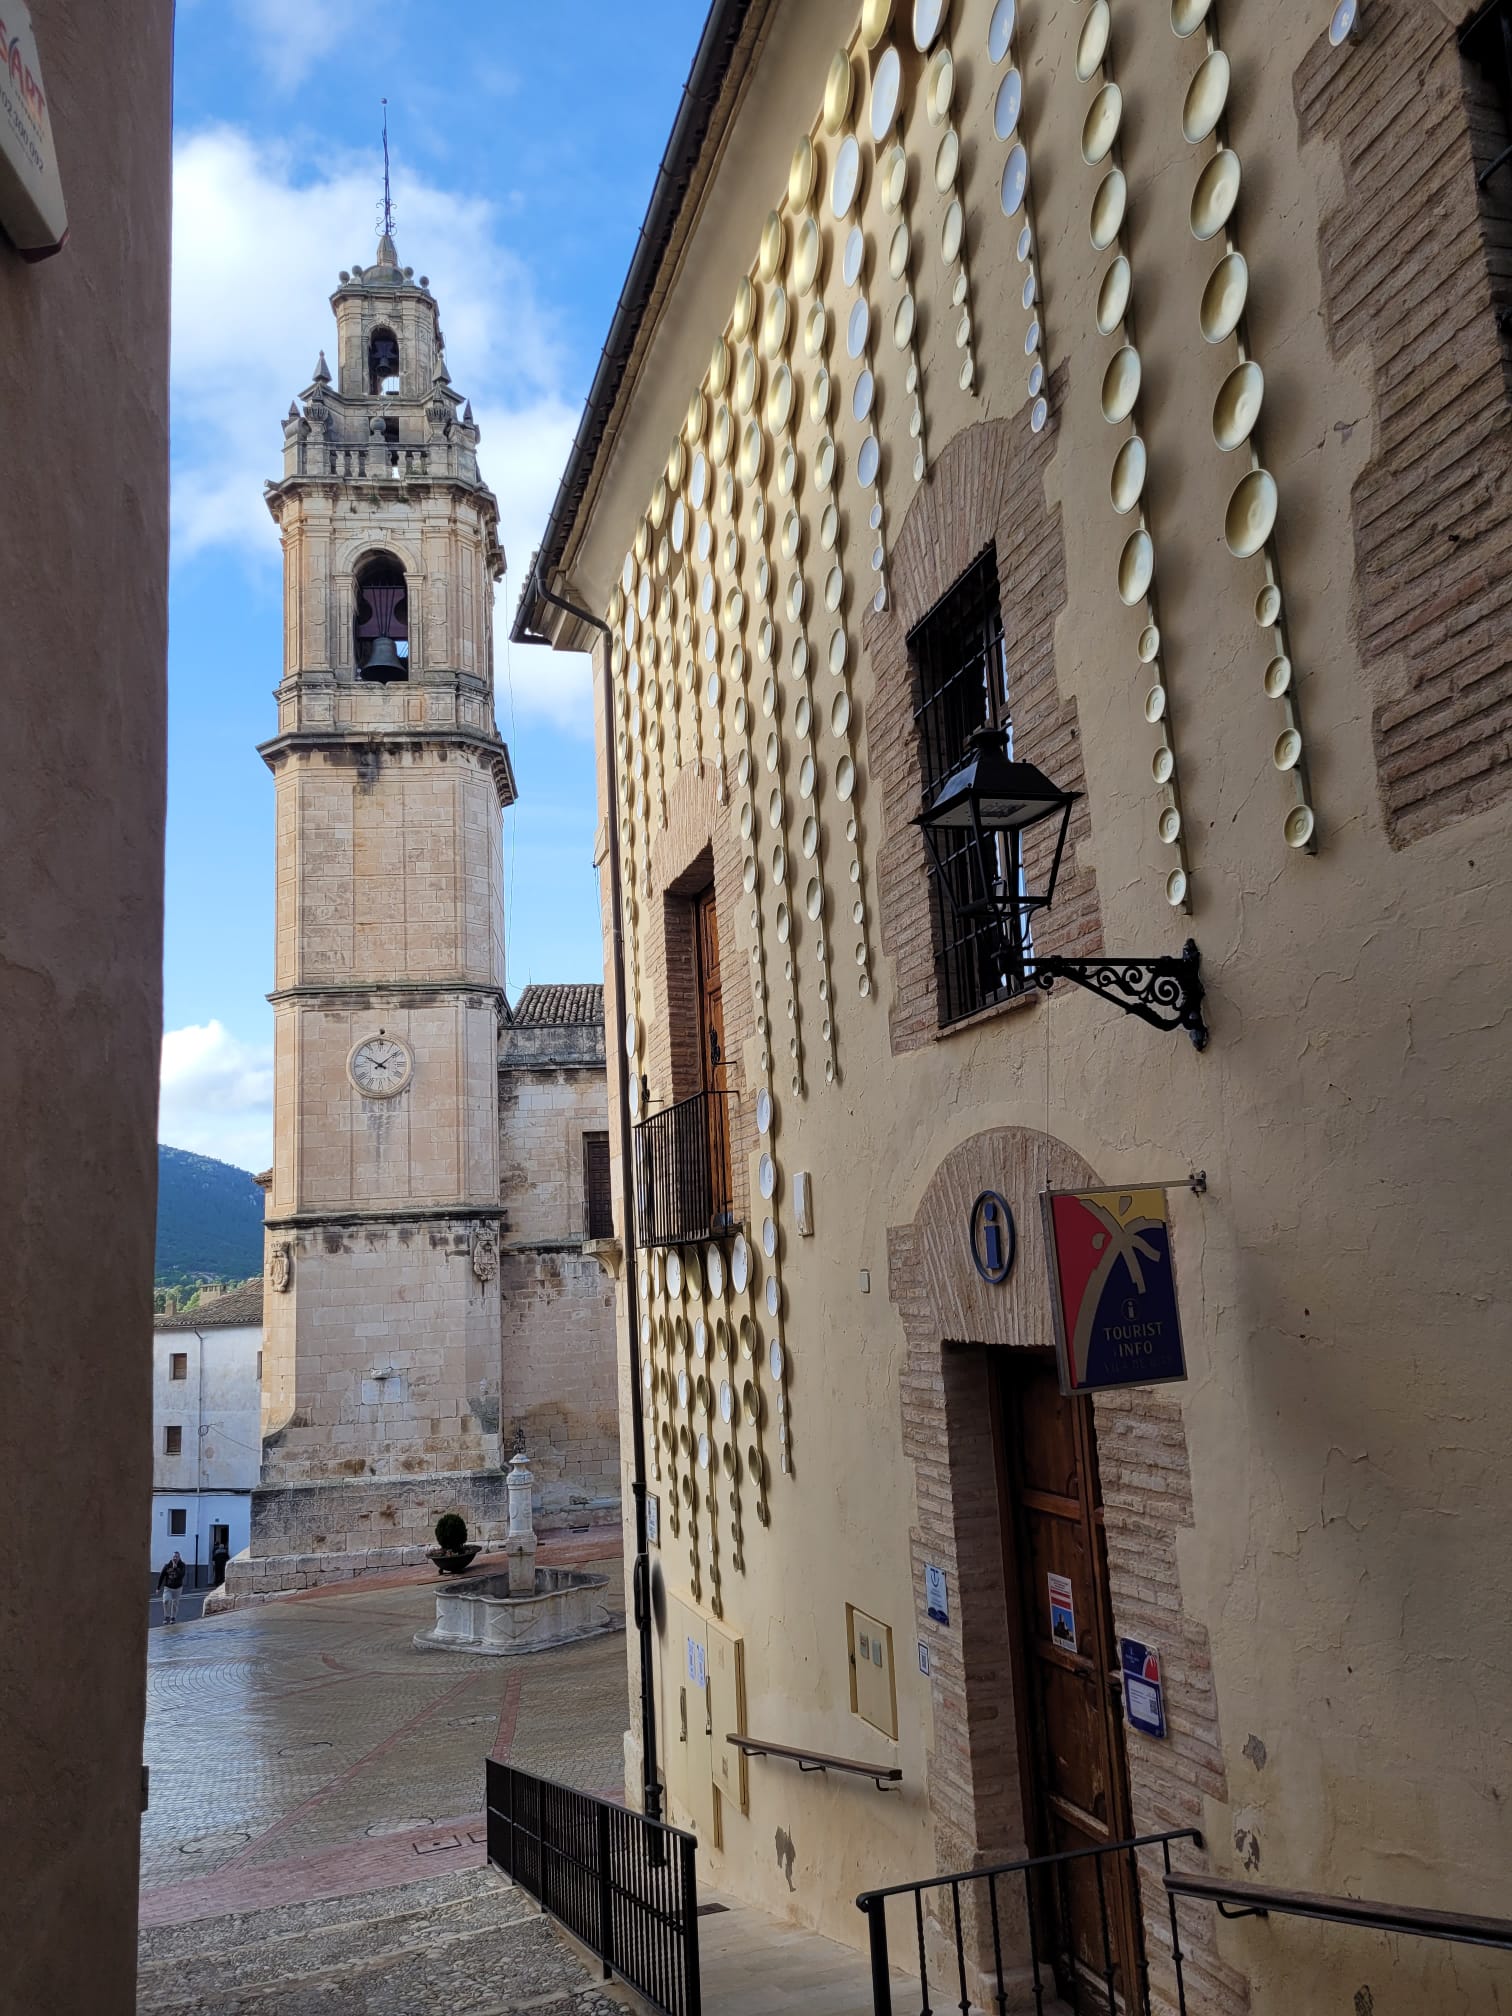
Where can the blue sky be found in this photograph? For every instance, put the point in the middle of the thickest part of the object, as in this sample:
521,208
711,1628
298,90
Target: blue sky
524,141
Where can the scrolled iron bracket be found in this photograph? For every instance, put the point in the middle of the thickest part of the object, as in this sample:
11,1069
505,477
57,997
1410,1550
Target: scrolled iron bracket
1166,992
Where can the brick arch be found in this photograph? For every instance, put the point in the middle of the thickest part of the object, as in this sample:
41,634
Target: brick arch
986,486
952,1320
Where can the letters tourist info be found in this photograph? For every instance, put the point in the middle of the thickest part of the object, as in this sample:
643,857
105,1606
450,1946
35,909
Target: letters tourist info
1113,1288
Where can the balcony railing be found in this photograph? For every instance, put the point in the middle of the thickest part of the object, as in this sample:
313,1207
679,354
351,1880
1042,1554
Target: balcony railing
682,1172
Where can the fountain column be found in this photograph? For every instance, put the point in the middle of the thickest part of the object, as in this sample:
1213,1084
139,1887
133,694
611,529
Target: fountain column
520,1546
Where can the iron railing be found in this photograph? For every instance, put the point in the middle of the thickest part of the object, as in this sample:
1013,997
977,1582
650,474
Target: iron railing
625,1886
1258,1900
1093,1982
682,1172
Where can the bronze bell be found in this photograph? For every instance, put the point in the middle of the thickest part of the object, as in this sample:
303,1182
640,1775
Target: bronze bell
384,663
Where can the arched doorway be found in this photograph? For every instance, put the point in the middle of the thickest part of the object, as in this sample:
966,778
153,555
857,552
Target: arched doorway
1014,1484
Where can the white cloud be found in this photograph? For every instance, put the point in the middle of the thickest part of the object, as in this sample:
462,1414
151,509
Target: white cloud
261,229
217,1095
291,36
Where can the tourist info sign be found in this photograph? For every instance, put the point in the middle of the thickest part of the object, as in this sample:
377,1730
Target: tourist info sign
32,211
1112,1288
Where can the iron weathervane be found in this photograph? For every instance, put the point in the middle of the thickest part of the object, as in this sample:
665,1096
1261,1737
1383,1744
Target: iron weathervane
995,801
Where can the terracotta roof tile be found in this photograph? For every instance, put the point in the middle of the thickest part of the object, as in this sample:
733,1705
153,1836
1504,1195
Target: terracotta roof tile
557,1006
239,1308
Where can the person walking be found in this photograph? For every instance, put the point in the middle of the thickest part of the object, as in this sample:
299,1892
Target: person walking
170,1582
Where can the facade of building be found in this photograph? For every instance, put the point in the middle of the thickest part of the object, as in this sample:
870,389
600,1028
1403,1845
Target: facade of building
206,1425
1128,384
83,666
399,1366
559,1393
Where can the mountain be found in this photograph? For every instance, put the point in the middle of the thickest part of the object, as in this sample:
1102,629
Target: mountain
209,1222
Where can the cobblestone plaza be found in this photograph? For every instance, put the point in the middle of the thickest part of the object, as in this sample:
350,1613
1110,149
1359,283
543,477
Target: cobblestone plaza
305,1748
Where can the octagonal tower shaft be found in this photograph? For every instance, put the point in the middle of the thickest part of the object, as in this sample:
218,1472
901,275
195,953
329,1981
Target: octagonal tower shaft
382,1336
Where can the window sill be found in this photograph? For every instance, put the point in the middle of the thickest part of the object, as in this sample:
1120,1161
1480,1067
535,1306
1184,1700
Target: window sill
1015,1004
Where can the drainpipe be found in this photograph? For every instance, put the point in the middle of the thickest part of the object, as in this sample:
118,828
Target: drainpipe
199,1436
641,1578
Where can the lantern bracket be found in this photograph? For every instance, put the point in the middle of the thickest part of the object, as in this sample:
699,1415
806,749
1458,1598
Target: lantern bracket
1166,992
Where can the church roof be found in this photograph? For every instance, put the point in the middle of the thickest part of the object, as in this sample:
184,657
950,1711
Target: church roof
558,1006
239,1308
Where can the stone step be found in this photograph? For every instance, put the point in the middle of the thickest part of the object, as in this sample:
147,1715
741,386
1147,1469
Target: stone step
506,1971
168,1945
291,1955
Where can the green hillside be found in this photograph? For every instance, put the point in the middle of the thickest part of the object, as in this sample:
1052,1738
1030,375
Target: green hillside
209,1223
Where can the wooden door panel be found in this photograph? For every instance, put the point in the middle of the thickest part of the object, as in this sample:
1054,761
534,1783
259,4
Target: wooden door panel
1076,1793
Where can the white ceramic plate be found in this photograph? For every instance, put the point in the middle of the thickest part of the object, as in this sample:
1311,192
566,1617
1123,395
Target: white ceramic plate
1015,180
886,80
1000,29
1007,105
858,328
847,176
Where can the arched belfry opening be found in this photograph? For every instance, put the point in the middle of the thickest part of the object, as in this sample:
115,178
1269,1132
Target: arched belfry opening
383,362
380,622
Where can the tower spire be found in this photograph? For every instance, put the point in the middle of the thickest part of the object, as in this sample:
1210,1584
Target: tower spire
388,203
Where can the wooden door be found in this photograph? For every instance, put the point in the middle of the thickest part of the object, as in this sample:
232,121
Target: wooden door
1076,1787
715,1071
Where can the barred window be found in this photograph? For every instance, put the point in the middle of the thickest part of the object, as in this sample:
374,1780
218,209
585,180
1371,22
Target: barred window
597,1204
960,663
1486,44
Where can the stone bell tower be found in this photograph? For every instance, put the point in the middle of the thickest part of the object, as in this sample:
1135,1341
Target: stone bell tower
381,1361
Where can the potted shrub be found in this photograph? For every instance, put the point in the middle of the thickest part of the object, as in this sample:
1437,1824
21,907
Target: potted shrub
452,1554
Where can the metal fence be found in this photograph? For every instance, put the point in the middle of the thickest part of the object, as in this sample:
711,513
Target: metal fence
682,1172
627,1887
970,1910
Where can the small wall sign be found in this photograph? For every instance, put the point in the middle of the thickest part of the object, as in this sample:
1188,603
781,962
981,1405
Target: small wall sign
923,1657
1144,1696
1113,1288
994,1238
936,1595
32,211
698,1663
653,1520
1062,1613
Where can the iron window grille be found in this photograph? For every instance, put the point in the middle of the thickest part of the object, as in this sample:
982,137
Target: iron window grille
598,1206
960,658
1486,43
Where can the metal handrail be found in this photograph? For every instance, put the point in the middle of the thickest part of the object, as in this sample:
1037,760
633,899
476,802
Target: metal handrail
625,1885
1258,1900
682,1172
816,1760
1116,1995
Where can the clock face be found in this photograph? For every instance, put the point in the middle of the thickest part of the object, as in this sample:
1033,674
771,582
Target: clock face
379,1067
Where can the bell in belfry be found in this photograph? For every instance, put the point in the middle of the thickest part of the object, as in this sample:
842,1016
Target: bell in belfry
382,621
384,662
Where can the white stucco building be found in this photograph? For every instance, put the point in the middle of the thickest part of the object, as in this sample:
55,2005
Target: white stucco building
206,1446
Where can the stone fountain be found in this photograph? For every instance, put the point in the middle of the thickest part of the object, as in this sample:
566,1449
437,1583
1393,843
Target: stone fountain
526,1608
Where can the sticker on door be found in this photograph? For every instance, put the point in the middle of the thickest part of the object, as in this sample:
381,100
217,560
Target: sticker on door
1062,1613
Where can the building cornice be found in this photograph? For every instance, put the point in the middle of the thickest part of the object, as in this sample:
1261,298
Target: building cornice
414,993
311,741
420,1214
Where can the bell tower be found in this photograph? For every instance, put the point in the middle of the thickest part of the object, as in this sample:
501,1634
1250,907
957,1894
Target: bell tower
382,1346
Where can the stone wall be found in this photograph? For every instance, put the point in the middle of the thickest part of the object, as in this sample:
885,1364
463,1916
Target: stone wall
369,1298
557,1390
307,1534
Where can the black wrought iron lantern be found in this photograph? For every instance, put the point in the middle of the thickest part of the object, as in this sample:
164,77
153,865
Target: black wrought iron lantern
996,800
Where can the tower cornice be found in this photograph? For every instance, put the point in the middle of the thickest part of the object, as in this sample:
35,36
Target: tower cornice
354,743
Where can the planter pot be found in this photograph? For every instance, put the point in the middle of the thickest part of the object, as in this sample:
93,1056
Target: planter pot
453,1560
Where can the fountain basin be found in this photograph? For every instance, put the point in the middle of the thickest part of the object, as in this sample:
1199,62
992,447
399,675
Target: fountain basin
480,1615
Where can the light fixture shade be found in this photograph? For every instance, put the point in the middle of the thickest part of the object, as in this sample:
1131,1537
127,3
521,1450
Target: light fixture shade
990,791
